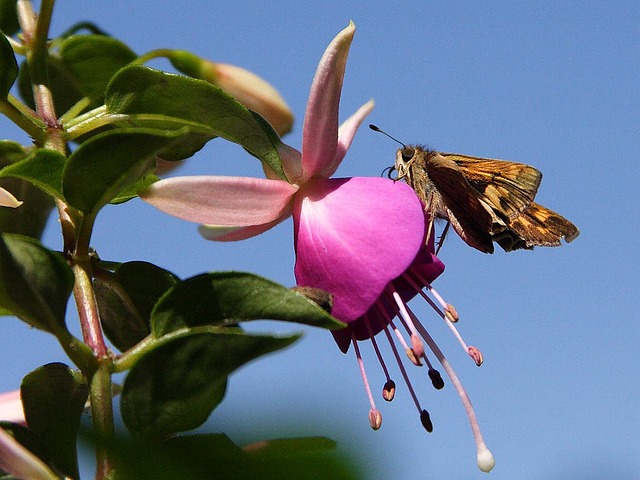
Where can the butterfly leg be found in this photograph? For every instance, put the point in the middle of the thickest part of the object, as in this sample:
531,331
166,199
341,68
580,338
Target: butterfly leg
442,236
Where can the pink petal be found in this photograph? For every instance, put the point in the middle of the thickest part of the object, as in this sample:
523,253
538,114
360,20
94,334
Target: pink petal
320,131
224,201
426,265
345,136
353,236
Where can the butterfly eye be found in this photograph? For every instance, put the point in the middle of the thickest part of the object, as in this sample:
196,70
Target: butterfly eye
408,153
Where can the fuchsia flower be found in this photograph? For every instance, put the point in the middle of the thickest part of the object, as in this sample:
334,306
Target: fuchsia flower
360,239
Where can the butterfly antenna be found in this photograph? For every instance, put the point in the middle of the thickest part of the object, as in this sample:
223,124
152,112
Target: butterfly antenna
376,129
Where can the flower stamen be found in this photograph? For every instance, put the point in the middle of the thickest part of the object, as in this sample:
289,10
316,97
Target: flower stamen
425,419
408,350
375,417
484,457
389,389
450,315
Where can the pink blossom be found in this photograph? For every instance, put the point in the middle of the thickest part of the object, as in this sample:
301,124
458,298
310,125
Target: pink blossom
360,239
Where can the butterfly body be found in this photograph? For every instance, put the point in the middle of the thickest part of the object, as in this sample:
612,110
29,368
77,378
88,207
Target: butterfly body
485,200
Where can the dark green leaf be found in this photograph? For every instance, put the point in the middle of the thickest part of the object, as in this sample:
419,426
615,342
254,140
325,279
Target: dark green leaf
42,168
126,300
176,385
137,90
132,191
290,446
35,283
8,66
204,457
64,88
53,397
107,163
223,298
93,60
32,215
8,17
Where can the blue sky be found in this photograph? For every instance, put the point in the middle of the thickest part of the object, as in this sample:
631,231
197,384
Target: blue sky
551,84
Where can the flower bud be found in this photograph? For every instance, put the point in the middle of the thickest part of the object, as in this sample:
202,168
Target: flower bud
249,89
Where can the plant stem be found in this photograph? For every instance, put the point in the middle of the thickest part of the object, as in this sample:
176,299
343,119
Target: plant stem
102,410
76,232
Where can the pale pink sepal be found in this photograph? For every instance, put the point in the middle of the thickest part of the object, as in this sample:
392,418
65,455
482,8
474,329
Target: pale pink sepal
20,462
346,132
353,236
11,408
222,201
320,130
232,234
8,200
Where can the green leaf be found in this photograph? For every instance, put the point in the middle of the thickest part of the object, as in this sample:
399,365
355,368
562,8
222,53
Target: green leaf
176,385
93,59
207,456
224,298
109,162
35,283
53,397
137,90
126,300
64,89
32,215
131,191
290,446
8,66
8,17
42,168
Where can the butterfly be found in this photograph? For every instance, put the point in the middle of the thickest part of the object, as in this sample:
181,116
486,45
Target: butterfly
485,200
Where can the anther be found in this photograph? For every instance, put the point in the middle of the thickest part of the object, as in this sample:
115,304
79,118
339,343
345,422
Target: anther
389,390
375,419
425,419
476,355
451,313
436,379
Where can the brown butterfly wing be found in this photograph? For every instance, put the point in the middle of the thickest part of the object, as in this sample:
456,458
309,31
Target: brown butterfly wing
467,214
538,226
508,187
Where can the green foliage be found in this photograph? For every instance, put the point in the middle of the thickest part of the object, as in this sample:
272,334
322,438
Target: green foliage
8,17
106,164
81,69
99,121
32,215
93,59
183,377
147,95
53,397
42,168
35,283
126,299
226,298
202,457
8,66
